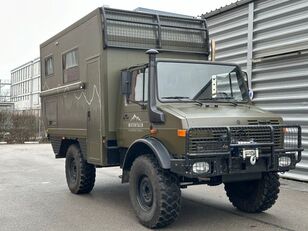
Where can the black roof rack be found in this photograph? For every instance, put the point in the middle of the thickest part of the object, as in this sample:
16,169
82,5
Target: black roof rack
140,30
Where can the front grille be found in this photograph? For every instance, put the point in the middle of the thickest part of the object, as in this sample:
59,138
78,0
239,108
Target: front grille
278,130
218,139
257,134
207,140
269,139
278,137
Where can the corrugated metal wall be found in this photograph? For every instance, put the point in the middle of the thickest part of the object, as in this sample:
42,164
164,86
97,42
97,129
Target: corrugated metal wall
230,33
269,39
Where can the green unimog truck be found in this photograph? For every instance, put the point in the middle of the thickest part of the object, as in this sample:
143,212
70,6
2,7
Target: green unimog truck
136,90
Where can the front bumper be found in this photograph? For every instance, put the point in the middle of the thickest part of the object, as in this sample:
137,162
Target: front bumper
220,166
283,141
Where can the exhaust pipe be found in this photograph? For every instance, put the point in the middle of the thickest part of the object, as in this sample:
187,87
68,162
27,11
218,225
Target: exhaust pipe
155,115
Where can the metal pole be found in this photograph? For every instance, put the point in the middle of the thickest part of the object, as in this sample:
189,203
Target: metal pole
250,43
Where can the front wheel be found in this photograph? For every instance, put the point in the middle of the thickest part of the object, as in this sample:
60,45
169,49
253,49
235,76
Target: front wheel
155,193
256,195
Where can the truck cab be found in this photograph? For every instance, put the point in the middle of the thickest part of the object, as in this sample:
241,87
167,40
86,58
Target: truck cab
200,111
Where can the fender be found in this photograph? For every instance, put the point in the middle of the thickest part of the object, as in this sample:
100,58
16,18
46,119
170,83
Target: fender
144,146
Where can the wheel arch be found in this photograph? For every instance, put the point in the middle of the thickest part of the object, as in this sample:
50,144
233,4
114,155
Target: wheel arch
142,146
60,145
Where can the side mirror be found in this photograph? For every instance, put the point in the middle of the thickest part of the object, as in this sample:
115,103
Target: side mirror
126,79
245,76
250,91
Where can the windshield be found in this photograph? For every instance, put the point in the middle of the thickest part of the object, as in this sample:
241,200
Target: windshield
179,81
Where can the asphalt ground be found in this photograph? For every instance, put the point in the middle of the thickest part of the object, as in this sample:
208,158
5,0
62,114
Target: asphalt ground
34,196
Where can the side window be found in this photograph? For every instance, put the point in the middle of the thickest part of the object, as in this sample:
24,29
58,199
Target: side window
49,70
70,66
139,86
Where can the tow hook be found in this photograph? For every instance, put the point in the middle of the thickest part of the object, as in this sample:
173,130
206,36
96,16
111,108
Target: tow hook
253,160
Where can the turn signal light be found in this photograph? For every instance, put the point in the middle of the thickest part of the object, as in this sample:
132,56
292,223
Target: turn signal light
181,132
153,131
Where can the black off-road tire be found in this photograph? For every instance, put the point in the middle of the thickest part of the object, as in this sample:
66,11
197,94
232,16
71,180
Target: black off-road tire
80,175
160,208
254,196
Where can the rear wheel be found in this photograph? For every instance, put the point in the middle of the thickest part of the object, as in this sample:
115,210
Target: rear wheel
155,193
80,176
256,195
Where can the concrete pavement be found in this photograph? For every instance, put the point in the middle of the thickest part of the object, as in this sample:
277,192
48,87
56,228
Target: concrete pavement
34,196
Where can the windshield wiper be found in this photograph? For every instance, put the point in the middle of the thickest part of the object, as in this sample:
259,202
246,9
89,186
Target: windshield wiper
175,97
183,97
221,100
196,101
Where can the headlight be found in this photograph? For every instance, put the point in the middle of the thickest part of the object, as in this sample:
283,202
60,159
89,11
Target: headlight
284,161
201,167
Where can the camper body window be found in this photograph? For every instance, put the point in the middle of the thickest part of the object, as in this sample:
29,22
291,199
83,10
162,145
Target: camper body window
70,66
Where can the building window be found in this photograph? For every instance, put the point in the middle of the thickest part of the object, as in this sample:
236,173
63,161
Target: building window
36,69
70,66
28,72
49,66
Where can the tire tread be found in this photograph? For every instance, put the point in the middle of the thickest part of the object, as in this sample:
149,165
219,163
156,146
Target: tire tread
87,173
170,195
265,197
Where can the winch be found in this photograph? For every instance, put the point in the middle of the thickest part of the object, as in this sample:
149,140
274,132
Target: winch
252,154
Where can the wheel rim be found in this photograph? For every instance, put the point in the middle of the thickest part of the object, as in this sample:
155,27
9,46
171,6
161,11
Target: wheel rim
73,170
145,193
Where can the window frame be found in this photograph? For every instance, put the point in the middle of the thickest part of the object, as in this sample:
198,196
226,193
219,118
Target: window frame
237,70
45,66
77,66
143,71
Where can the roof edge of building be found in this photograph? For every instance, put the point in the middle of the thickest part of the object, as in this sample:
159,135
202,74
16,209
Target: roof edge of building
25,64
226,8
